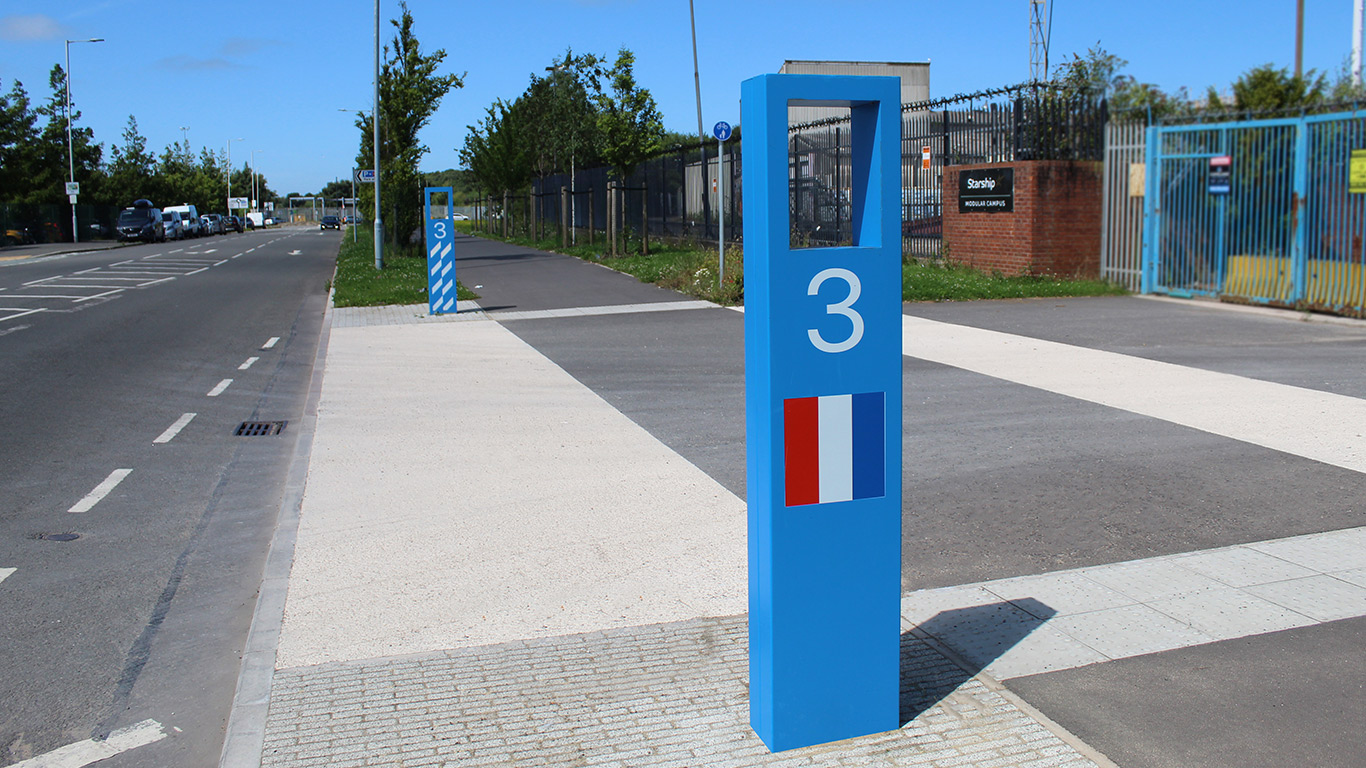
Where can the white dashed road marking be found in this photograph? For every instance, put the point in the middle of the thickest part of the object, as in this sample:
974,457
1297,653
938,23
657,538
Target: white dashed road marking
5,573
101,490
248,363
174,429
83,753
218,390
271,342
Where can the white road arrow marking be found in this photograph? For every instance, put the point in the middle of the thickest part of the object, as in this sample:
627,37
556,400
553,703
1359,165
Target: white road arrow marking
83,753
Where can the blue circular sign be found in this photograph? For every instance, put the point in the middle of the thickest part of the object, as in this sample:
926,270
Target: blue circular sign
721,131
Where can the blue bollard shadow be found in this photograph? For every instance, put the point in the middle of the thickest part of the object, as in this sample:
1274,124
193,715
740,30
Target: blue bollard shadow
978,635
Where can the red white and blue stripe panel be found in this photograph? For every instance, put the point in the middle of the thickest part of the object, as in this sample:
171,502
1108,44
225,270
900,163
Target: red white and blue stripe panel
834,448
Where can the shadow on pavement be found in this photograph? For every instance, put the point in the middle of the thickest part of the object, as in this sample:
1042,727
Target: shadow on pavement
979,635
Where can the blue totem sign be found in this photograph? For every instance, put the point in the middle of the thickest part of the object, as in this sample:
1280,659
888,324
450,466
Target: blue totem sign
823,420
440,253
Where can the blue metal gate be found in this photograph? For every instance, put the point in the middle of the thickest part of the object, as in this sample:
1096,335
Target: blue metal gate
1258,211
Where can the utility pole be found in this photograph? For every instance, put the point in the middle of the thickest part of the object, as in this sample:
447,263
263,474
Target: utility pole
1356,41
1299,39
70,154
701,133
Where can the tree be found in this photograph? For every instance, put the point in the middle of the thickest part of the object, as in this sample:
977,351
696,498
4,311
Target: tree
410,93
631,126
133,167
1269,89
1093,78
18,137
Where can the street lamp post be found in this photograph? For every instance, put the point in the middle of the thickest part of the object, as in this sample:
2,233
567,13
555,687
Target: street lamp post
374,123
229,143
255,190
70,154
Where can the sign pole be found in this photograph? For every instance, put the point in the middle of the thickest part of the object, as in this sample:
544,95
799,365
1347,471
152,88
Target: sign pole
722,132
823,419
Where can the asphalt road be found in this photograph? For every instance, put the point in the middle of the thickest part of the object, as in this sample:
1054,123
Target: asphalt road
134,521
1003,479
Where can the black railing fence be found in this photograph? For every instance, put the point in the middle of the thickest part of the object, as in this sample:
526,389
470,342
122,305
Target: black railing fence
673,195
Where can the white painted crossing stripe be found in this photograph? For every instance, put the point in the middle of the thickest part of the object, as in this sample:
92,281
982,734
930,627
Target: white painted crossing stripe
218,390
125,261
1316,425
100,491
220,261
83,753
197,271
270,342
174,429
98,295
1066,619
63,285
5,573
41,296
154,282
83,271
105,277
21,312
248,363
44,280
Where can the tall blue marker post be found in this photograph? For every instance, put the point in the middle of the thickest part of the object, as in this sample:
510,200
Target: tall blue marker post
823,420
440,253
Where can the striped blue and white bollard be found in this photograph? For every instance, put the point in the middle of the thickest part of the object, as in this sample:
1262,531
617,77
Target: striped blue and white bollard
440,253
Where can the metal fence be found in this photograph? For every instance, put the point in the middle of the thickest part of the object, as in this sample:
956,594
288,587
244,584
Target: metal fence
1122,188
1260,211
671,195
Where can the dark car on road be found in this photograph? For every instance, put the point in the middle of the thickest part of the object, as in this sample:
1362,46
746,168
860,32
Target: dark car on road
142,222
330,222
233,223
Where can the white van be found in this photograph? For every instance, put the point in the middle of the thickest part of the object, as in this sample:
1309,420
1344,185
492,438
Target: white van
189,219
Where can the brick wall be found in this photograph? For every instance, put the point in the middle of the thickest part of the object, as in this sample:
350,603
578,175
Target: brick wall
1054,229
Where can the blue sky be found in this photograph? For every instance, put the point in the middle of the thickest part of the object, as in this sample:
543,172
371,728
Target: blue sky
276,73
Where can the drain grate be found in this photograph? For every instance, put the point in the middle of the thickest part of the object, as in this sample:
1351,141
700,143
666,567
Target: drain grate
259,428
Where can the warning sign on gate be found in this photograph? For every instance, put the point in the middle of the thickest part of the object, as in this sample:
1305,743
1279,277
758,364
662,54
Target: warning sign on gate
1220,175
1356,172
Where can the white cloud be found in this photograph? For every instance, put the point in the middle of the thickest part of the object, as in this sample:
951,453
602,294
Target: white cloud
30,27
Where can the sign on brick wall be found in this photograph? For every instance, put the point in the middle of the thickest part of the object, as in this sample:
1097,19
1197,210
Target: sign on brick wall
986,190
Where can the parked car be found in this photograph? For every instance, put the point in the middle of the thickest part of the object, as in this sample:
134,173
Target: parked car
233,223
458,216
350,219
141,221
171,223
189,219
215,222
330,222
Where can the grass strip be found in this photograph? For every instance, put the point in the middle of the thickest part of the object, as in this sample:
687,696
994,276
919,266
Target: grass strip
402,281
694,271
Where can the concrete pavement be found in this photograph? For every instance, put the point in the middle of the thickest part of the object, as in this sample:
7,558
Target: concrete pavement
495,566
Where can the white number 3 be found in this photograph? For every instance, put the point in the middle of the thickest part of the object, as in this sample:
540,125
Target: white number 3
440,230
842,308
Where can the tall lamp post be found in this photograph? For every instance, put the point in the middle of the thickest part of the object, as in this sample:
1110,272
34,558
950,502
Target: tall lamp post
70,154
255,191
229,144
374,123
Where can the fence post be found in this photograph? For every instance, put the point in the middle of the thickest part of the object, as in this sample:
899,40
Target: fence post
564,217
612,216
507,214
644,218
592,222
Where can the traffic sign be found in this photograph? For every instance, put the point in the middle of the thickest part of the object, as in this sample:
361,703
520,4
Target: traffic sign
365,176
237,202
823,363
721,131
73,187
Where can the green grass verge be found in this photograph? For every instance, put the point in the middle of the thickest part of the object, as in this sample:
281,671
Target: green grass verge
694,271
402,281
948,281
